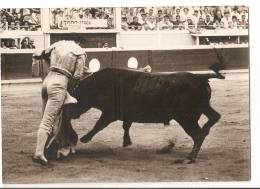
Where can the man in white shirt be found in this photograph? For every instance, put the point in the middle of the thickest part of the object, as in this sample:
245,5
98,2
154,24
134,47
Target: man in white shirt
226,19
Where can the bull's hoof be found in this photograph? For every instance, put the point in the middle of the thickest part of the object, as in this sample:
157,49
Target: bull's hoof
85,139
127,143
184,161
190,161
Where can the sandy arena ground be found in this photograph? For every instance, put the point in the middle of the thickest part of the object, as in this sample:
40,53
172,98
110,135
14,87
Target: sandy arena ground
225,154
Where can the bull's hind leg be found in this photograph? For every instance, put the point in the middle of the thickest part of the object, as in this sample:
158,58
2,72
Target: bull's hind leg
192,128
212,116
126,139
103,122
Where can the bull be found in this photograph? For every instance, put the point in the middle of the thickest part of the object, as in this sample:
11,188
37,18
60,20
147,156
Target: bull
135,96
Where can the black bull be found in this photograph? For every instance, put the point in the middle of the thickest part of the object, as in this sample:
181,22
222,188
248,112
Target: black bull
134,96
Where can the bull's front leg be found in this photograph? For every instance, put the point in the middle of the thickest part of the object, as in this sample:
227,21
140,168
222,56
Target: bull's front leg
103,122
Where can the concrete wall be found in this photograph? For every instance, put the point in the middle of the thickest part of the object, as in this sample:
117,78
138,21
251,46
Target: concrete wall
148,40
92,40
19,65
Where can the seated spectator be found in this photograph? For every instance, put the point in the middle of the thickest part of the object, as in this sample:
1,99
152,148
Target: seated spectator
208,23
12,26
178,24
12,44
31,44
25,43
110,24
226,19
216,24
165,24
230,25
25,26
135,25
3,45
124,24
143,19
201,24
151,24
188,24
17,24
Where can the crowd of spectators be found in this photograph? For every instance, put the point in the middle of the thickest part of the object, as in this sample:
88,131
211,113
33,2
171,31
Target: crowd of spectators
26,43
25,19
58,15
184,18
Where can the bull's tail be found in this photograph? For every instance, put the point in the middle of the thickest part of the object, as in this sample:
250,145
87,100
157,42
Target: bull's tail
216,68
211,75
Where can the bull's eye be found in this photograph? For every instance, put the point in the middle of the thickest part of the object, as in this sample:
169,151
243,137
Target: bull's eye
132,63
94,65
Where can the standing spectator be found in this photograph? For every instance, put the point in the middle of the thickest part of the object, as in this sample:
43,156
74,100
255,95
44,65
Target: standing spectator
243,24
87,14
130,16
159,16
143,19
135,25
208,23
59,19
178,13
139,15
195,18
165,24
205,13
218,16
124,24
4,23
186,14
151,15
235,13
226,9
226,19
234,22
75,13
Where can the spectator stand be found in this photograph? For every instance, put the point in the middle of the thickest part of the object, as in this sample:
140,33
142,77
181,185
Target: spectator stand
106,33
